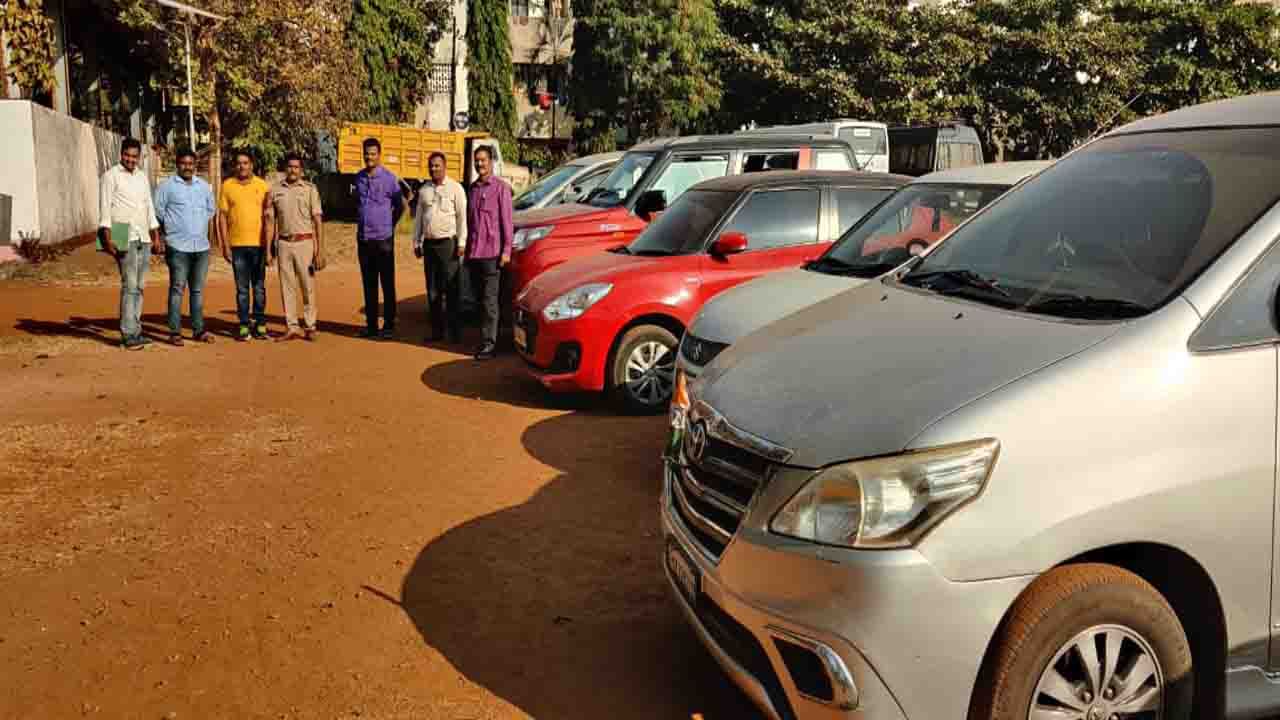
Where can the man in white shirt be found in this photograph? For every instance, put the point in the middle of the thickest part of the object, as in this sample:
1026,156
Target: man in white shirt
440,239
125,201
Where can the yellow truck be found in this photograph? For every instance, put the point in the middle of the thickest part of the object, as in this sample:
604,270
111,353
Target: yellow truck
405,150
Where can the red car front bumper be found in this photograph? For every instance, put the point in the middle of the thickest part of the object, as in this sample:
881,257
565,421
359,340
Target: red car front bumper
566,355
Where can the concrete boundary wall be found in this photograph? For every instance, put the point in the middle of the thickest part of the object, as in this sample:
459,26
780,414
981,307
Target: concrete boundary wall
18,168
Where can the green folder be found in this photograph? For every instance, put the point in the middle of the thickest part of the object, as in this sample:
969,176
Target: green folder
120,236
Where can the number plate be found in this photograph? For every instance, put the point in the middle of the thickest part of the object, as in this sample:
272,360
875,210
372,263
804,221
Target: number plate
684,572
522,340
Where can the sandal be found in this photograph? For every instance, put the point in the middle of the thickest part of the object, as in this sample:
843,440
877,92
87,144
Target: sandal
205,337
175,340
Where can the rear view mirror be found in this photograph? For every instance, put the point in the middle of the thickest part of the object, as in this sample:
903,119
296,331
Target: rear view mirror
652,201
729,243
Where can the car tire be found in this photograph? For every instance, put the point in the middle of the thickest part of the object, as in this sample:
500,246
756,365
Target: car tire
642,372
1046,635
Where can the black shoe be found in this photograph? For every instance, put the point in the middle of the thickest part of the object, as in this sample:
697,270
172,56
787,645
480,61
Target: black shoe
487,351
435,336
368,333
388,333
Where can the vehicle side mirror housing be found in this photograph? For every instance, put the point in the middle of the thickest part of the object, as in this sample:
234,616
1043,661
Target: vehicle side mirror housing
652,201
729,243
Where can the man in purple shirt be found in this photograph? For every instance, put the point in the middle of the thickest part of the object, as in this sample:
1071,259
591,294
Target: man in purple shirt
488,243
380,204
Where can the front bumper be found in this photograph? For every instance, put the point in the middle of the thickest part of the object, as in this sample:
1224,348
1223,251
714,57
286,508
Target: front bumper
908,641
565,356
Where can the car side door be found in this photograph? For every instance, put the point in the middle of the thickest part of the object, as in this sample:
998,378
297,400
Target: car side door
783,227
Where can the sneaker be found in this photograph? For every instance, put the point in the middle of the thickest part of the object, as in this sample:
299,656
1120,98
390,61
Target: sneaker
243,335
133,342
487,351
260,332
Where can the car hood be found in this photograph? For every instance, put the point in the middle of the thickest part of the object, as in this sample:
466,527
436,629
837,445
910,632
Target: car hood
862,373
602,267
573,212
742,310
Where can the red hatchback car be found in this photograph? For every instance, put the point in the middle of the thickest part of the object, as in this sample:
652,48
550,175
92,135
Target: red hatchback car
612,321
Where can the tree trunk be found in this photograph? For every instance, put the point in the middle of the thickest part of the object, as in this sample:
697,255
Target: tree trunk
215,149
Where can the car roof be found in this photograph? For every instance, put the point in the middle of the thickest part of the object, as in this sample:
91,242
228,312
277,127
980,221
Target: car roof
1005,173
598,158
743,140
753,180
1244,111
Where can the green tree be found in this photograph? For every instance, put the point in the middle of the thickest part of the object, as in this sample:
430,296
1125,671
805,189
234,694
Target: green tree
1194,51
647,68
394,40
29,32
490,77
269,77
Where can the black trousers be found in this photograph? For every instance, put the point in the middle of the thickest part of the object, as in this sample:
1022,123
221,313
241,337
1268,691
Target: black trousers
443,271
486,278
378,265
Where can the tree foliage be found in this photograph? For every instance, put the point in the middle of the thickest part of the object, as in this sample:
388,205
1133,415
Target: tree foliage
490,76
393,40
646,67
29,32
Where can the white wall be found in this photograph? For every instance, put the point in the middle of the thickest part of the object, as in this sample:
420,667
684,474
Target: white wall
18,167
70,156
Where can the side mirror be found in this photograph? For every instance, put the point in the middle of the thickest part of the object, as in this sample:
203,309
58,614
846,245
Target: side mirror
729,243
652,201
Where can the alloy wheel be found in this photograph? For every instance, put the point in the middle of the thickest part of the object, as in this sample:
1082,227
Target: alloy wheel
1107,672
650,373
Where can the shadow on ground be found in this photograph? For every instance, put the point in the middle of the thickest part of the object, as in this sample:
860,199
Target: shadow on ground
559,605
505,380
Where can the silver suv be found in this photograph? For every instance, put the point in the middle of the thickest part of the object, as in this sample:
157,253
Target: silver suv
1031,474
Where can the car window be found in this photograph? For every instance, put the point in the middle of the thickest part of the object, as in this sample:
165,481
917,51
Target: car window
1114,230
777,218
582,187
684,227
853,203
957,155
618,184
912,158
685,171
1248,315
832,160
552,182
866,140
765,161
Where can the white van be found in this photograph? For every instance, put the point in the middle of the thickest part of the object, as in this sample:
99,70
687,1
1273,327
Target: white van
869,140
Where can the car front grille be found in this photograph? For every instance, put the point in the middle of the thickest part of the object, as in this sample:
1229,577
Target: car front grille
699,351
713,485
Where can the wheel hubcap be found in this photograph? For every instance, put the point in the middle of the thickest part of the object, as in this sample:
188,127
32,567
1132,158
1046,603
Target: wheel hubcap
1107,672
650,372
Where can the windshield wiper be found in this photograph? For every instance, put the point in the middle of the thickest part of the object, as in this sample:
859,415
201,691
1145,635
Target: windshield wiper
835,266
1088,307
958,279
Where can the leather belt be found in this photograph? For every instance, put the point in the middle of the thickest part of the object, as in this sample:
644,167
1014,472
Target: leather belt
299,237
436,240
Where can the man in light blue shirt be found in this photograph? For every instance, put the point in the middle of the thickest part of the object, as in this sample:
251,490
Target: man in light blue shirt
184,206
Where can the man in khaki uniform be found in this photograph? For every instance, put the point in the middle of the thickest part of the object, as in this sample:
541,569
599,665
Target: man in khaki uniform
440,239
296,229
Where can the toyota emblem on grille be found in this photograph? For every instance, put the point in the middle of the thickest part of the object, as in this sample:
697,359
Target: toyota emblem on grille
696,442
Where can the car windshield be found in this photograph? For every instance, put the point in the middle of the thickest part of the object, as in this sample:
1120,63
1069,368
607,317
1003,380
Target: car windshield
546,186
866,140
683,228
615,188
1115,230
912,219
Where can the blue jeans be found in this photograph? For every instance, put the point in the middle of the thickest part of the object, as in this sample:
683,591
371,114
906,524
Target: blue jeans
250,269
186,270
133,277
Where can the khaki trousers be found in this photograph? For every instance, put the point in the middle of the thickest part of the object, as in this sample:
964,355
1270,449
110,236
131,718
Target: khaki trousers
295,259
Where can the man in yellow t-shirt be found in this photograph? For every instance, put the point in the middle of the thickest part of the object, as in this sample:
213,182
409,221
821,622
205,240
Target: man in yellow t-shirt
242,205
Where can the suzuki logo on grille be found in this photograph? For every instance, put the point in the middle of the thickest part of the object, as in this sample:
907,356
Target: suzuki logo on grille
695,351
696,442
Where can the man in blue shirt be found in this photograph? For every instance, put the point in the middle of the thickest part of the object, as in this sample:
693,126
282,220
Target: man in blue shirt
184,207
380,205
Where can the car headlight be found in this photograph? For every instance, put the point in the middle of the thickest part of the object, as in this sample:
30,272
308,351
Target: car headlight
525,237
887,502
576,301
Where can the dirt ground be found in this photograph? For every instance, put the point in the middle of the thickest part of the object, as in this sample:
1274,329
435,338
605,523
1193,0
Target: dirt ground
330,530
